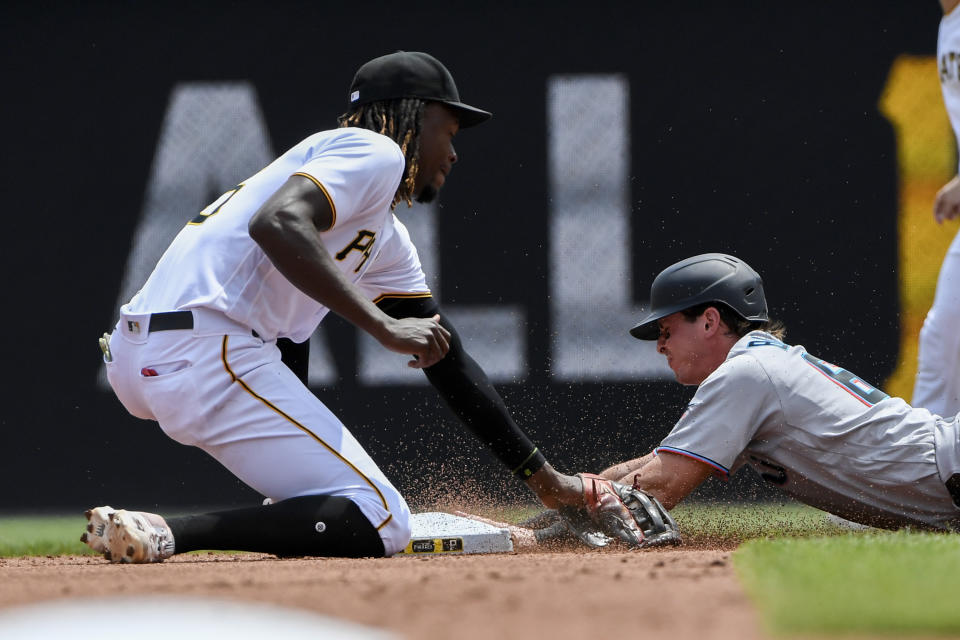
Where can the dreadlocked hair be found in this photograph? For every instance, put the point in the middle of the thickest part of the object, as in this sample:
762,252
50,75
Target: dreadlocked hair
399,120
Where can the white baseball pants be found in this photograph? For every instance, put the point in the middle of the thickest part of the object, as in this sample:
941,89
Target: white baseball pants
220,388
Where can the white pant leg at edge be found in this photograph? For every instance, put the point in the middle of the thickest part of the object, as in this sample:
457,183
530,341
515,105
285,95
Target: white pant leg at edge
235,400
937,385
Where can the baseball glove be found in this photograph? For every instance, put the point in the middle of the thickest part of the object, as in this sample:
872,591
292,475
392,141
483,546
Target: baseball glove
617,512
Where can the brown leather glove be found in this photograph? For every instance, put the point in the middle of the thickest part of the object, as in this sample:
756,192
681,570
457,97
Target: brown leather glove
613,511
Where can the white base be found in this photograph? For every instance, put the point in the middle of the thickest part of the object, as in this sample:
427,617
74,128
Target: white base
438,533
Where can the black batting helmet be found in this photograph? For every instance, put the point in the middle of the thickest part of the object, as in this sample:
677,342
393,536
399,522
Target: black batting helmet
711,277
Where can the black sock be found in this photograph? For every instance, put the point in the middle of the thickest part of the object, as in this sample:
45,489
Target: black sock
303,526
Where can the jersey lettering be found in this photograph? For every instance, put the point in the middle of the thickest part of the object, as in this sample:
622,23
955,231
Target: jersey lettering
865,392
949,63
362,243
767,343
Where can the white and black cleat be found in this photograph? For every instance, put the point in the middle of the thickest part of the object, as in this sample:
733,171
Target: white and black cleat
136,537
98,520
131,537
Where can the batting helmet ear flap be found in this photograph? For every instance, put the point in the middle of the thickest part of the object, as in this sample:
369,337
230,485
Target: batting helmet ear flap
711,277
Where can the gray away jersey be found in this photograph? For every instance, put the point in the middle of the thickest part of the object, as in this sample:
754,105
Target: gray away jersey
822,435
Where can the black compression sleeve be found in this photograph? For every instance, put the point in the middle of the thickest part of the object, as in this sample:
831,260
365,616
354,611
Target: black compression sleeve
470,395
302,526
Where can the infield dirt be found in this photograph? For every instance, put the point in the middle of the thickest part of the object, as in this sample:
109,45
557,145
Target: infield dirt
683,592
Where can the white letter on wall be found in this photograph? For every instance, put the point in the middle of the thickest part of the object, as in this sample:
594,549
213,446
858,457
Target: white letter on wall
495,336
213,136
588,133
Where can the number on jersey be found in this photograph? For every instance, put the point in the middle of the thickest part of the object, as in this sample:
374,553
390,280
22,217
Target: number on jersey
214,207
863,391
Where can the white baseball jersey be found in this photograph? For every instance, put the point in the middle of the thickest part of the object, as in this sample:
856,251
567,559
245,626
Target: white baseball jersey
219,386
213,263
823,435
937,385
948,61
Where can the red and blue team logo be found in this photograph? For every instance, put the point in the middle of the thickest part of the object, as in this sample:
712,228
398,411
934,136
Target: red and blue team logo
834,369
861,385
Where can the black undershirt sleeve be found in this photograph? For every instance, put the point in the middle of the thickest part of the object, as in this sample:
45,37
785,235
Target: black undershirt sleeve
470,395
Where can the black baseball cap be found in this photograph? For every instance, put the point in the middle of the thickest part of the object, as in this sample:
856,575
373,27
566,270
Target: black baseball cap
411,74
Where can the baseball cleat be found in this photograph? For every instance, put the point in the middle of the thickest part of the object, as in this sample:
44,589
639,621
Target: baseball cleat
128,536
99,520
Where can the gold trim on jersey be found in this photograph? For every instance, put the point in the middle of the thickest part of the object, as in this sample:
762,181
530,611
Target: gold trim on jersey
333,207
245,387
419,294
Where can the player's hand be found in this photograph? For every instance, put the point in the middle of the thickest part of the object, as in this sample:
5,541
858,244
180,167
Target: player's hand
613,511
423,338
946,206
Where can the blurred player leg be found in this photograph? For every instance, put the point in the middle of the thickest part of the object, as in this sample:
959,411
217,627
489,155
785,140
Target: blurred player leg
937,385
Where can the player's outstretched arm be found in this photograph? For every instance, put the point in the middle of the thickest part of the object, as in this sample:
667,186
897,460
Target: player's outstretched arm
619,471
288,226
946,206
464,386
668,477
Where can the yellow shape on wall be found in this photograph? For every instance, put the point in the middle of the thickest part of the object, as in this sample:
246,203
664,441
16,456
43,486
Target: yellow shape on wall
926,158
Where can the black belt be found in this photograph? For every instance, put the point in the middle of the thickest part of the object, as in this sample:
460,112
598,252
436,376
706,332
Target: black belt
170,320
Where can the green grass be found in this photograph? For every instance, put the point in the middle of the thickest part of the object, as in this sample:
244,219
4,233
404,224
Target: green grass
42,536
736,523
885,583
804,574
710,524
60,535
